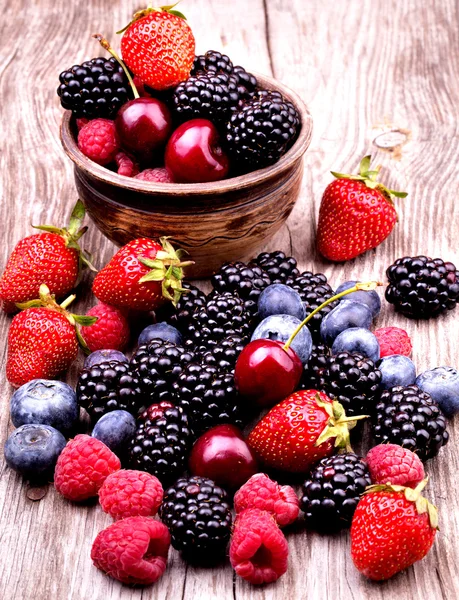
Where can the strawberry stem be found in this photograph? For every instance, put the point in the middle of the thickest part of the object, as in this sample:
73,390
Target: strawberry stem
106,45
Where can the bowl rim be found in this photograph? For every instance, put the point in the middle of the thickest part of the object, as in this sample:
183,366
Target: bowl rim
247,180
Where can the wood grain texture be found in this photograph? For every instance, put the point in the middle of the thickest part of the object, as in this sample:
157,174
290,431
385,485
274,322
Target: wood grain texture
360,67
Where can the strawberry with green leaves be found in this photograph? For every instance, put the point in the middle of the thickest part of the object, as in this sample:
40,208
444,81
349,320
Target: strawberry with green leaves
43,339
53,258
143,275
302,429
356,214
393,527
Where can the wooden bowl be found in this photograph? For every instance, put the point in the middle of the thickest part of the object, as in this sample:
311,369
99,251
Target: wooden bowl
215,222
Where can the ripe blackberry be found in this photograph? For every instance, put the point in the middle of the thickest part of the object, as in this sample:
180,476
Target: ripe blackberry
209,397
188,304
314,290
409,417
313,377
262,130
97,88
247,281
198,516
223,315
332,491
420,287
108,386
161,445
353,380
216,62
278,266
157,366
224,354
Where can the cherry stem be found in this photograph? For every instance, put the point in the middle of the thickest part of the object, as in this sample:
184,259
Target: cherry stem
358,287
68,301
106,45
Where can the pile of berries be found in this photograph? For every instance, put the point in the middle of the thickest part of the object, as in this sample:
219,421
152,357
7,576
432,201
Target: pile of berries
183,118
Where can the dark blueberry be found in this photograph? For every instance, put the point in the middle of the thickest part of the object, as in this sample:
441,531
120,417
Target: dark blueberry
442,384
357,339
344,316
101,356
396,370
116,430
281,327
370,299
161,331
280,299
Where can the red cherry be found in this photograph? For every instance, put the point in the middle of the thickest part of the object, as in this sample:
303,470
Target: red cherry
144,126
223,455
194,153
266,373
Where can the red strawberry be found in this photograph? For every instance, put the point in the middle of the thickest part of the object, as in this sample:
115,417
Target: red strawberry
393,527
42,340
158,46
302,429
142,275
52,258
356,214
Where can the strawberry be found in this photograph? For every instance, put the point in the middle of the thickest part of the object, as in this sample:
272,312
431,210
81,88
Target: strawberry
301,430
53,258
393,527
42,340
128,282
159,47
356,214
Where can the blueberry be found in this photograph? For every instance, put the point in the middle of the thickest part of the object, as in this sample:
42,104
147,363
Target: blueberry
344,316
45,402
33,450
115,429
370,299
160,331
357,339
280,327
100,356
442,384
396,370
280,299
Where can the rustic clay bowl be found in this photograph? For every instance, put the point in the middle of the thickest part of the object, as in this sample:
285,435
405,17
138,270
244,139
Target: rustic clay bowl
215,222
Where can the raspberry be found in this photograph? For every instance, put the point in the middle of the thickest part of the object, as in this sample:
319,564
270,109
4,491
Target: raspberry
258,549
81,123
109,332
133,550
126,165
129,493
393,340
82,467
390,463
158,175
98,141
262,492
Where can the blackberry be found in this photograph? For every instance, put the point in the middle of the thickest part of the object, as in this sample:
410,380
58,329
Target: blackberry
353,380
224,354
313,377
157,366
332,491
223,315
108,386
262,130
247,281
97,88
198,516
216,62
209,397
188,304
314,290
161,445
420,287
278,266
409,417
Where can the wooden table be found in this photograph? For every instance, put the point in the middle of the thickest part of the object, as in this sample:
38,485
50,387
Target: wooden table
363,68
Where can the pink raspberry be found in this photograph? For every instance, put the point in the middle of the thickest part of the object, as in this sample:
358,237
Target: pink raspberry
133,550
258,548
158,175
393,340
127,166
390,463
81,123
129,493
109,332
82,467
99,141
262,492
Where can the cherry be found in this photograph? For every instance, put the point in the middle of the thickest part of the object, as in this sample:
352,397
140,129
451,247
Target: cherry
266,373
144,126
222,454
194,153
